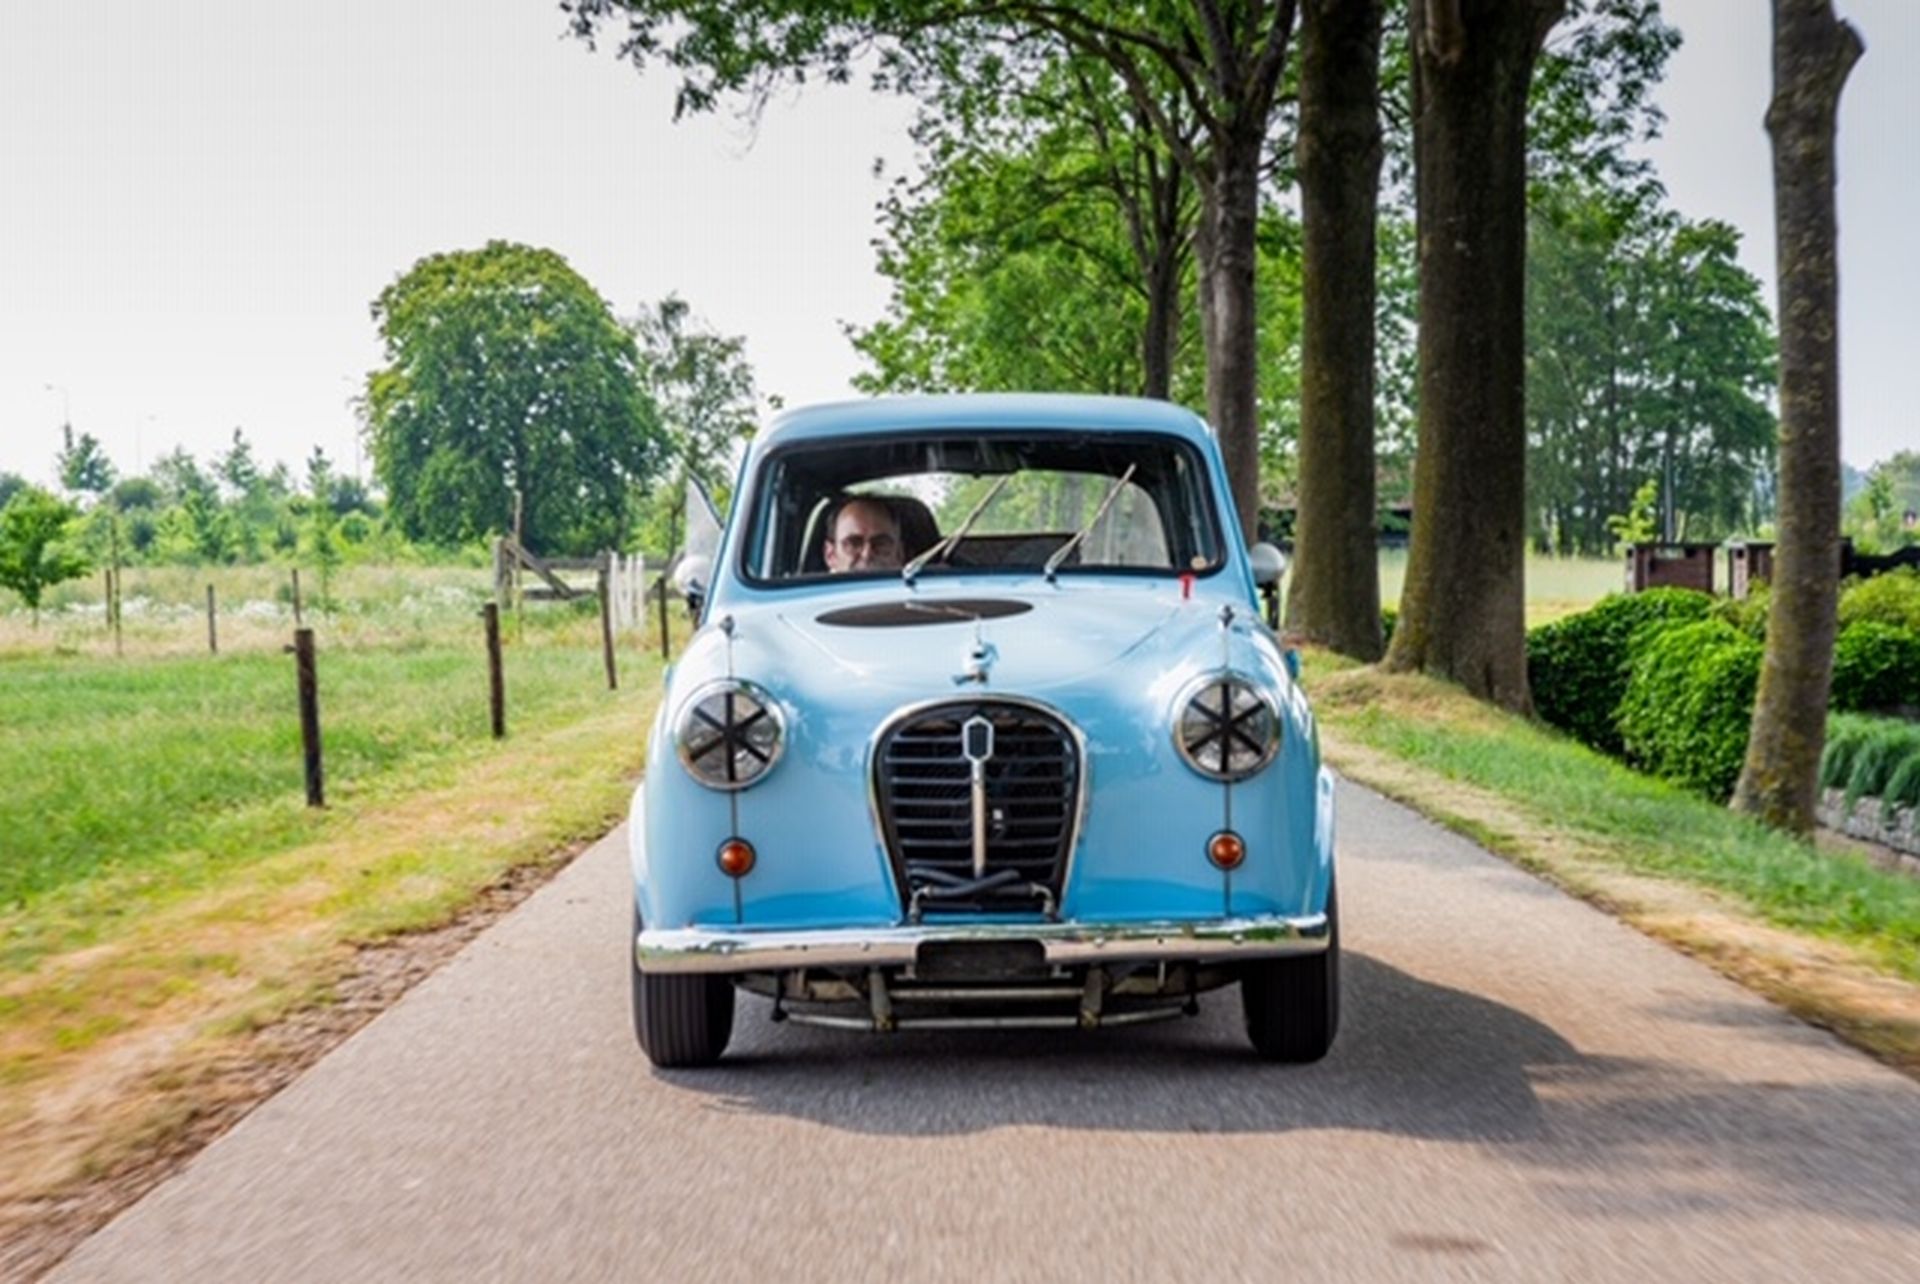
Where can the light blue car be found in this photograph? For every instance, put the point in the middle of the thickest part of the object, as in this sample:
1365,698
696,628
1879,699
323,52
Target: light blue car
983,726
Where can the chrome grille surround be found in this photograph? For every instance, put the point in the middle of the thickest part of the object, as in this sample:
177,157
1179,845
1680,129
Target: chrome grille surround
921,793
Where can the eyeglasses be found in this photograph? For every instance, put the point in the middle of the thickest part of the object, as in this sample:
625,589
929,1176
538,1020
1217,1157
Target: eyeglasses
879,545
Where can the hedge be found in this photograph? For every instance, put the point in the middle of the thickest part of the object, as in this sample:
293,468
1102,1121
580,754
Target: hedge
1688,703
1889,598
1875,666
1577,666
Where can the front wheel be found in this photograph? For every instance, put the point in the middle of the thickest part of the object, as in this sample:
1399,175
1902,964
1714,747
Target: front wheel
681,1020
1293,1004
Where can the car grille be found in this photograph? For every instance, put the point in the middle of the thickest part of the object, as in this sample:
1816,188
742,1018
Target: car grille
925,794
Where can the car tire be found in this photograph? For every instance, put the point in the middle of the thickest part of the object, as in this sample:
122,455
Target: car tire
1293,1004
682,1021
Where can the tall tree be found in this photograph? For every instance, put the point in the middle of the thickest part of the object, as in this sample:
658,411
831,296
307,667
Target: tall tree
1463,609
505,370
1227,59
1335,594
1813,53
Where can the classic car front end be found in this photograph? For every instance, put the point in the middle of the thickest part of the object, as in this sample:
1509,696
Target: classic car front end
1050,768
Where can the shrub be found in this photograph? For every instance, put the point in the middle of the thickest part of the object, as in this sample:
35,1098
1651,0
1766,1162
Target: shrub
1748,614
1688,702
1577,666
1845,736
1892,598
1875,666
1887,745
1389,616
1904,788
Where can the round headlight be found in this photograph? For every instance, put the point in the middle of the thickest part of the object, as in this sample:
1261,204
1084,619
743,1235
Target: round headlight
729,734
1226,728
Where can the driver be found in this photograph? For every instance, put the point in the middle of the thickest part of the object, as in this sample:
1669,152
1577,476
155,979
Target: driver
865,537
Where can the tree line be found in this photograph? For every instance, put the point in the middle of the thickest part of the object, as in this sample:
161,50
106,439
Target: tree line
511,398
1139,134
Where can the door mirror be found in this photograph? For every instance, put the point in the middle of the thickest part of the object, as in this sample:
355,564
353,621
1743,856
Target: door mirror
690,576
1269,564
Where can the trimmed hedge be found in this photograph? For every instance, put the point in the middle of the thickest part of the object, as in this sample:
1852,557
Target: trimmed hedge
1875,666
1688,702
1889,598
1577,666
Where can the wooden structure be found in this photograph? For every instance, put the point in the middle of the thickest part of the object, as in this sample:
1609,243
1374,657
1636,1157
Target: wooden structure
1748,564
1652,565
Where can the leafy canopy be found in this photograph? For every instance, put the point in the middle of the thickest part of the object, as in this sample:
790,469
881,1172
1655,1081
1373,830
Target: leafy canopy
34,554
505,370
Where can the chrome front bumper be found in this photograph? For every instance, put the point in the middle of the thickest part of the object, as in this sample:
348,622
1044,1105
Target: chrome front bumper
718,949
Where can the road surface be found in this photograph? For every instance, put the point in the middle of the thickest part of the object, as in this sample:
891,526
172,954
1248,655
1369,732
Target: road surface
1522,1089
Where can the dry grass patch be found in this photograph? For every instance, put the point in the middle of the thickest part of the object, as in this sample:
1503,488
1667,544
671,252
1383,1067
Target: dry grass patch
118,1051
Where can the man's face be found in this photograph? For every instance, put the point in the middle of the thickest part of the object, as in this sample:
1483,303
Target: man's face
865,538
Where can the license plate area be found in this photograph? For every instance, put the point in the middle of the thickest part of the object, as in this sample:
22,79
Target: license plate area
980,961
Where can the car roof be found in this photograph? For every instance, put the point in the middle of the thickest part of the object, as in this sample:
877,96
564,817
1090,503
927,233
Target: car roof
1039,411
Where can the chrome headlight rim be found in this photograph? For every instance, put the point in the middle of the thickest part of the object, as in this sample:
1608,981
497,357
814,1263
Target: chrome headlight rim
1265,700
691,711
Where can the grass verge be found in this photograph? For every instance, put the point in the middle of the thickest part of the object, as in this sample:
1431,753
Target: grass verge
1827,934
128,989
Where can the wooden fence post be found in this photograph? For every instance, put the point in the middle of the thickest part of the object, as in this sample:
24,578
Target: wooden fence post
496,680
309,715
116,610
606,623
665,653
213,637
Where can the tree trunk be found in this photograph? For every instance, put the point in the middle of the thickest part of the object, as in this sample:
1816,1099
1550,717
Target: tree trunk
1232,211
1463,610
1163,322
1335,595
1812,56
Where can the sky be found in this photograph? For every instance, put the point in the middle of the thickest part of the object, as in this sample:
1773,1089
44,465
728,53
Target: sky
202,199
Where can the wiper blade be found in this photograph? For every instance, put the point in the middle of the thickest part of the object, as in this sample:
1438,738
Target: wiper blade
952,541
1065,551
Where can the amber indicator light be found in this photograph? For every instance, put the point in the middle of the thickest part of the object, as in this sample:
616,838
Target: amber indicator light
735,858
1226,849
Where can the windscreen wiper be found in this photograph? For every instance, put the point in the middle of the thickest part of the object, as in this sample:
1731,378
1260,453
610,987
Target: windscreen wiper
952,541
1066,550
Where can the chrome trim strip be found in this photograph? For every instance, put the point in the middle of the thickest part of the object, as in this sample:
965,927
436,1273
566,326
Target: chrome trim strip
723,949
918,707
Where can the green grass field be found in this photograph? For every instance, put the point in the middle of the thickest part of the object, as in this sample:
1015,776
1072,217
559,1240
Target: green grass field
1556,586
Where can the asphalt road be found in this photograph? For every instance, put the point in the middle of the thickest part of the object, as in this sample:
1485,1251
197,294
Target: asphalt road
1522,1089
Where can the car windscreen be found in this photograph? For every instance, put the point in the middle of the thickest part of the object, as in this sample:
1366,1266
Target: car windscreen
982,502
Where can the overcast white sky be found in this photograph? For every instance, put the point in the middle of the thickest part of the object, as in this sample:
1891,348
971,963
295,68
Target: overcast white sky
202,199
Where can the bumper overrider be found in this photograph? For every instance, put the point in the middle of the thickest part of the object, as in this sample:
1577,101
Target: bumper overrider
1225,940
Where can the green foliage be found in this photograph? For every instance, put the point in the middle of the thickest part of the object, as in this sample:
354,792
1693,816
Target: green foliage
1688,703
83,466
1578,665
11,484
34,551
505,370
1640,522
1903,788
708,405
1877,518
1846,733
1875,666
1890,598
1881,749
1748,614
1650,353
